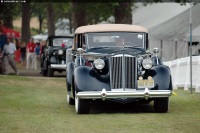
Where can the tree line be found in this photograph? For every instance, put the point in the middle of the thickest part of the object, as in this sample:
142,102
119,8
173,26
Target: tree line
78,13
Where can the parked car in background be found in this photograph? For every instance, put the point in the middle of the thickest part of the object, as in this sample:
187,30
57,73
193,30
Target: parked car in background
54,57
112,62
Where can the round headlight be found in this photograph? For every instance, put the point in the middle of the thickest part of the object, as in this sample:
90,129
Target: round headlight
147,63
99,64
60,51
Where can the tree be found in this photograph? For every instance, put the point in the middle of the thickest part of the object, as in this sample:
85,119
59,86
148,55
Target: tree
69,14
123,12
64,10
93,13
78,14
38,10
90,13
50,19
26,16
7,11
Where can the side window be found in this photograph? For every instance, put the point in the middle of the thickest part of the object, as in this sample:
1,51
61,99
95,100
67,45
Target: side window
147,42
74,47
79,41
83,41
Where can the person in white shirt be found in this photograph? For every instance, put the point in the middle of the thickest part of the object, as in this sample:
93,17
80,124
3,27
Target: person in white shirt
9,56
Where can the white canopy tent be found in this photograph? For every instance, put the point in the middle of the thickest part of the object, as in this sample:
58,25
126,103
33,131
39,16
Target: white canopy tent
168,25
40,37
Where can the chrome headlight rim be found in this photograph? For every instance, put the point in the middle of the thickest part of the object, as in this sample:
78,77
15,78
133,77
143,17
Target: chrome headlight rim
99,64
147,64
60,52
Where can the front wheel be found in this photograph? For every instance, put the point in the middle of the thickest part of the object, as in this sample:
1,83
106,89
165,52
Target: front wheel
82,106
161,105
70,100
44,72
50,72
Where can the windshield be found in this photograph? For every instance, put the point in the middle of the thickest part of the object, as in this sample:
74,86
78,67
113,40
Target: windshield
63,42
115,39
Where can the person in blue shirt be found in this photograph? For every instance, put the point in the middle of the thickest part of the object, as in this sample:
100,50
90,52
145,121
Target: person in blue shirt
37,55
2,40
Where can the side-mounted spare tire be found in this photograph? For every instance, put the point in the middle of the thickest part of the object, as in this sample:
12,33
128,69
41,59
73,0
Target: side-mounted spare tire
50,72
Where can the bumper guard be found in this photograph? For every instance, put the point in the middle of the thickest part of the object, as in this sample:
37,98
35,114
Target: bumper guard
59,66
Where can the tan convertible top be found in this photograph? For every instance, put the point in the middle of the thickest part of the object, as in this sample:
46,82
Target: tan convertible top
110,27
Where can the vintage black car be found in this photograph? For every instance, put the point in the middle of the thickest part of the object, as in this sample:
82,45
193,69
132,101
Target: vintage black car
54,55
112,62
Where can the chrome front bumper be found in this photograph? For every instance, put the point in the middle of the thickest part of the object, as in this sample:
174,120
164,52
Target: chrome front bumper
59,66
146,94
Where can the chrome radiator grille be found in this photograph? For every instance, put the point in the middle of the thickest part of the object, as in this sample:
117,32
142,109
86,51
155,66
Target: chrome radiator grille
123,76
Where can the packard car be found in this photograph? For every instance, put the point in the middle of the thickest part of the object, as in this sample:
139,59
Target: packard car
112,62
54,56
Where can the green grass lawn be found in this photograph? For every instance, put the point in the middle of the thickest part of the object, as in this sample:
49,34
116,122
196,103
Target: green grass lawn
38,105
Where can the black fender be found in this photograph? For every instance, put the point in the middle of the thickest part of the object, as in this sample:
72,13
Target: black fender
86,79
162,77
157,61
45,64
42,58
69,75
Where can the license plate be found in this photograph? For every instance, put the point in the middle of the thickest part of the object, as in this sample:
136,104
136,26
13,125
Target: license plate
145,83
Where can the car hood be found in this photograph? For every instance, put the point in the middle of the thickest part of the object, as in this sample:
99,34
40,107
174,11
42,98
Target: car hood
115,51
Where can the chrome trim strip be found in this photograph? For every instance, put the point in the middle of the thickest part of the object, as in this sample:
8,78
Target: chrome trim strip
136,72
111,84
146,94
59,66
123,72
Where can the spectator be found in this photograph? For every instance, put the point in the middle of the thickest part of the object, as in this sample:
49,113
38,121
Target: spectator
30,63
17,52
37,55
1,63
42,52
23,53
2,40
43,46
8,55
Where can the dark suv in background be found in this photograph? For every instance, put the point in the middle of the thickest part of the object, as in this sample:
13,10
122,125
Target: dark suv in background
54,55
